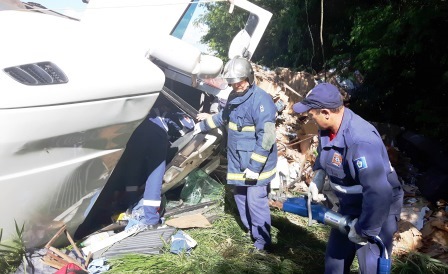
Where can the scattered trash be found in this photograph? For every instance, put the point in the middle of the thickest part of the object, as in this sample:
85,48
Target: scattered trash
59,259
72,268
98,266
147,242
108,241
182,242
408,238
200,187
419,162
96,237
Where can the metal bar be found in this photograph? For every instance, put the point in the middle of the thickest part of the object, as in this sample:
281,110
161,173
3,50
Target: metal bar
180,103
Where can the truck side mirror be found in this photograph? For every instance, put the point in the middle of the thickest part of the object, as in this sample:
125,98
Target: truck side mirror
240,45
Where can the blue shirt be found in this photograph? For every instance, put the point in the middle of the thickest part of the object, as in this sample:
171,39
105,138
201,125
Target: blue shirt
360,173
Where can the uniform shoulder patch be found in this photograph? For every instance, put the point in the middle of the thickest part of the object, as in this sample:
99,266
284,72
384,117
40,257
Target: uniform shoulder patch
360,163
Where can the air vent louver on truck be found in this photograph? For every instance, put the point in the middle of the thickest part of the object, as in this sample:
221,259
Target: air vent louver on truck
36,74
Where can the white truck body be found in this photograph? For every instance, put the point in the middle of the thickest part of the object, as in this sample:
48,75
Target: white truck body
72,92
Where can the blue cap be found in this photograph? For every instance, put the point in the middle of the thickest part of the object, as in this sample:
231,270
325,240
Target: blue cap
321,96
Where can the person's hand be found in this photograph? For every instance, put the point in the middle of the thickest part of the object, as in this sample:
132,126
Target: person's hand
249,174
313,192
203,116
317,183
197,129
355,237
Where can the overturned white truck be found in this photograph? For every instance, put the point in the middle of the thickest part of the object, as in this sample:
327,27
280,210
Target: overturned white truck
73,91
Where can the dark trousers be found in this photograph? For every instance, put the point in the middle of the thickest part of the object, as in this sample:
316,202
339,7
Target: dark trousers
255,214
145,163
341,251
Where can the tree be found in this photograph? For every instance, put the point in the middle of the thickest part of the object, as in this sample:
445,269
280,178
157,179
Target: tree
399,46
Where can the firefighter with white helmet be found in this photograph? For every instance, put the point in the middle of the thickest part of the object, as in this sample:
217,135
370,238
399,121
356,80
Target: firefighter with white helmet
249,115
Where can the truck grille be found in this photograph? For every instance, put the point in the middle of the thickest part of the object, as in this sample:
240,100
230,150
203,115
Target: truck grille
36,74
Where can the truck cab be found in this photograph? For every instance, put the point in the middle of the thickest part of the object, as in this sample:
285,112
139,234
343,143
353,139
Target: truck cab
74,90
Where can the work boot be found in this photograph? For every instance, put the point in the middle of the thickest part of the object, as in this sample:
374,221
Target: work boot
160,224
153,227
256,251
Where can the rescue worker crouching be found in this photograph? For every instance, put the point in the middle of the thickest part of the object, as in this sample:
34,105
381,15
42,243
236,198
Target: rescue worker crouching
145,158
250,115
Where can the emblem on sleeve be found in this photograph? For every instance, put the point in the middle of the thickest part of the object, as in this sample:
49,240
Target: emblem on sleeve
261,108
360,163
337,159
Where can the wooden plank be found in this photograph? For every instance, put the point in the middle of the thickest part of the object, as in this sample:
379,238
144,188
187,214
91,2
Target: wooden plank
291,89
52,263
66,257
88,259
73,244
56,236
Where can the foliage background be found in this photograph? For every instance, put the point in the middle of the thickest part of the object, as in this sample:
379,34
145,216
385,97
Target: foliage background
398,46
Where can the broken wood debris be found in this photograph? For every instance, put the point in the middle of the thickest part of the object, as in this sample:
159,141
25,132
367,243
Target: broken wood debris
423,226
58,259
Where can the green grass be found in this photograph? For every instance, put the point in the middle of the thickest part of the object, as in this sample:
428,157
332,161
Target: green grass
221,249
224,248
418,263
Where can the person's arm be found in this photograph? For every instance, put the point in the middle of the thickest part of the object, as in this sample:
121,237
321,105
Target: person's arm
368,168
203,116
211,122
264,115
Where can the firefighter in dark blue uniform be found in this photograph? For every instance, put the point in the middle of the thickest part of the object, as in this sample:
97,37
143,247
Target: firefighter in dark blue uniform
145,157
352,154
250,116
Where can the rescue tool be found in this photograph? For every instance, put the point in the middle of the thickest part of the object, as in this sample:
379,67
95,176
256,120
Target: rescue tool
303,206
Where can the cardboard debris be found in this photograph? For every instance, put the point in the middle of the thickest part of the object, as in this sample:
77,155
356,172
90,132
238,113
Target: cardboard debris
435,237
189,221
419,229
408,238
436,231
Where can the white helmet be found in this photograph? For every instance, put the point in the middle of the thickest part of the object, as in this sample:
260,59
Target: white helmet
238,69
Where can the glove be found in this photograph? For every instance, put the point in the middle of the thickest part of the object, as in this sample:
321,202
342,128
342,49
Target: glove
249,174
197,129
355,237
316,184
313,192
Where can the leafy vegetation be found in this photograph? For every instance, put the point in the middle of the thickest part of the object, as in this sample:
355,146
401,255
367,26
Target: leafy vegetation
418,263
399,47
12,252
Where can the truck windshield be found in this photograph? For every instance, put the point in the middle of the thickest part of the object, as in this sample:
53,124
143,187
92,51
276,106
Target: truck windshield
187,29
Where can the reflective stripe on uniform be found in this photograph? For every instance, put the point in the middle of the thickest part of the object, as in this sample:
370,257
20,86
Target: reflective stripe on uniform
210,122
240,176
233,126
151,202
131,188
259,158
347,189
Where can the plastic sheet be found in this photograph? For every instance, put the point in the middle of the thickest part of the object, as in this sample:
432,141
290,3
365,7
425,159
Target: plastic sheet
199,187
